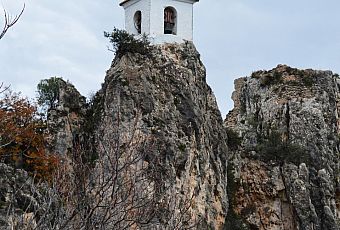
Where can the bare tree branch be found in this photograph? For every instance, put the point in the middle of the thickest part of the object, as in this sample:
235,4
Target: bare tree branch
124,187
9,21
3,88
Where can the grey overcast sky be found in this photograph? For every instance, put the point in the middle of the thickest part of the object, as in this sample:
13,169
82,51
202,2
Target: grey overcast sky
235,37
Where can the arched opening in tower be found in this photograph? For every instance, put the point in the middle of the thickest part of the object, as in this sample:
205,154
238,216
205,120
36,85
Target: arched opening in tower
170,20
138,21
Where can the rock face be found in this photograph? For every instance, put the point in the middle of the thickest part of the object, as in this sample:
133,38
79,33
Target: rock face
164,98
153,137
17,199
66,120
287,167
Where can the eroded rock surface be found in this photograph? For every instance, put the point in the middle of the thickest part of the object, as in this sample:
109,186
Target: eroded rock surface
287,167
18,199
164,96
65,121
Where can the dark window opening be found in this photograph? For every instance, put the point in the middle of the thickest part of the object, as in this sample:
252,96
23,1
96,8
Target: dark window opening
170,20
138,21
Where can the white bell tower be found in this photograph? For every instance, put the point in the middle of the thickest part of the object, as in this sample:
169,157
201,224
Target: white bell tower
164,21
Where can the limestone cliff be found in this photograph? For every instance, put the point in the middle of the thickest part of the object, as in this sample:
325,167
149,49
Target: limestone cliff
287,167
151,151
164,98
65,121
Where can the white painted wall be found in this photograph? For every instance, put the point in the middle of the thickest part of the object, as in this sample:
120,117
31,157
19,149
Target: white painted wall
184,18
153,19
131,8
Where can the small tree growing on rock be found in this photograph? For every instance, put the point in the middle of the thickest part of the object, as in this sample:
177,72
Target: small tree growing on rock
48,92
123,42
274,148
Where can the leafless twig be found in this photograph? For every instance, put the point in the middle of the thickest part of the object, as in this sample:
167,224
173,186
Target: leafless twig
10,21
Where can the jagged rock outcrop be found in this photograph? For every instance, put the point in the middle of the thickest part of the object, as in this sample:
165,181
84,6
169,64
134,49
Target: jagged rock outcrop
18,199
287,167
66,120
152,144
163,99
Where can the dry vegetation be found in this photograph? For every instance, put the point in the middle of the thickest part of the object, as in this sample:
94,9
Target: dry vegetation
120,190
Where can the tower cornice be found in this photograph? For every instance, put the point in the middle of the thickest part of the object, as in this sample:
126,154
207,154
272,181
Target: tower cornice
126,1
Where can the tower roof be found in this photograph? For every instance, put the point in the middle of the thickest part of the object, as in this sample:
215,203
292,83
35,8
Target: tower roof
125,1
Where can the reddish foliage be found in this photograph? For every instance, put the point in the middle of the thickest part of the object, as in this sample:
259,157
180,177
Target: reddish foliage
22,137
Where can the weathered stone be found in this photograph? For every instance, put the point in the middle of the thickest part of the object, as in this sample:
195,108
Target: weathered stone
17,199
66,120
165,98
302,107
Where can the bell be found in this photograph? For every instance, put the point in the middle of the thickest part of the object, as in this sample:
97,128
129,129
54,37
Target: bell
168,27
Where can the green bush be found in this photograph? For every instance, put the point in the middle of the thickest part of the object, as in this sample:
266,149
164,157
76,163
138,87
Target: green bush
182,147
308,81
233,221
275,149
234,141
268,78
48,92
271,79
123,42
